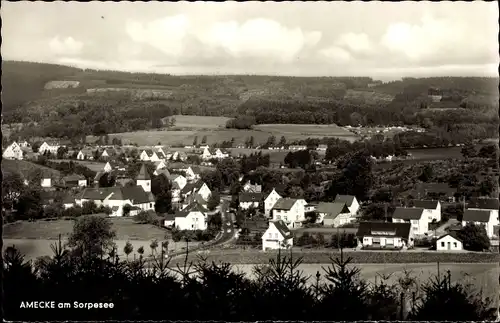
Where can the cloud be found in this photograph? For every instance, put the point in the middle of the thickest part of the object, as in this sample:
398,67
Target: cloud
65,47
359,43
178,37
336,53
440,41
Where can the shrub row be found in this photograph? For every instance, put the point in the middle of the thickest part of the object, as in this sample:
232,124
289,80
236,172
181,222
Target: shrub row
360,257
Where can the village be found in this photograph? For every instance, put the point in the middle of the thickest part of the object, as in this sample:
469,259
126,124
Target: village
285,217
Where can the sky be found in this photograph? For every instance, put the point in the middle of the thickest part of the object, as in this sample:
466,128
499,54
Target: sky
383,40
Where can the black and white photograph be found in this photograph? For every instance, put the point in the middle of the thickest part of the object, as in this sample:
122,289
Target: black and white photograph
250,161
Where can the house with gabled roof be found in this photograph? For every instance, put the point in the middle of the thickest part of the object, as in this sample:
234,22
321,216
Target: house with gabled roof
432,209
277,236
334,214
192,173
291,211
449,242
349,200
51,147
160,165
84,154
192,217
108,153
250,200
149,155
68,201
487,218
321,147
384,235
74,180
108,167
440,191
269,202
197,187
180,180
252,188
13,151
414,216
49,179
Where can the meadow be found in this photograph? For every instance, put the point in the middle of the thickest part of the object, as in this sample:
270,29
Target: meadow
34,239
25,167
92,165
188,127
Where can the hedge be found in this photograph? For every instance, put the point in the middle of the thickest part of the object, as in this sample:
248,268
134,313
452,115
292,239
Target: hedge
360,257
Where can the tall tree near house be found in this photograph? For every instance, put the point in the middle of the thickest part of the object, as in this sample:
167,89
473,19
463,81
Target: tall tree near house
282,141
12,188
195,141
106,139
204,140
251,142
474,237
163,202
271,141
213,201
107,180
92,236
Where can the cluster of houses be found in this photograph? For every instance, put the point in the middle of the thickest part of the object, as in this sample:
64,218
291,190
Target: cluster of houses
408,223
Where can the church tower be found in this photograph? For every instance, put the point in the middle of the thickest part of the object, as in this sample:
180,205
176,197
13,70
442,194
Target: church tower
143,179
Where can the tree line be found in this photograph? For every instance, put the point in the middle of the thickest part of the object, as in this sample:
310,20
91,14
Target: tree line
88,269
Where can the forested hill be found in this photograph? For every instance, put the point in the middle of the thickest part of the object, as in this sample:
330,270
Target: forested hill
92,101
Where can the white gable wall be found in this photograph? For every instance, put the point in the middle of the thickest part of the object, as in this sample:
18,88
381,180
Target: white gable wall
448,243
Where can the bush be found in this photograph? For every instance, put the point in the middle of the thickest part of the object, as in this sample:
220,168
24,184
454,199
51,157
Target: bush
146,217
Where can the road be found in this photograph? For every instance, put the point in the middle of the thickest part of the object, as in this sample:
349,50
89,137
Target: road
226,234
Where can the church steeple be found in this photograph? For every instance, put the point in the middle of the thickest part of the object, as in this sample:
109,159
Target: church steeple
143,179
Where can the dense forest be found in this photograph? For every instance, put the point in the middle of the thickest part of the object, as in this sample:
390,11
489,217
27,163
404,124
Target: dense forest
110,102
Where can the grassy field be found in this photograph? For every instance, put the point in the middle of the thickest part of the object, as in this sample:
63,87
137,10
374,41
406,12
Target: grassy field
189,127
302,131
92,165
200,122
24,167
34,238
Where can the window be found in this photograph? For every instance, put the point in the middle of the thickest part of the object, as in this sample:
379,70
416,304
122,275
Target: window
270,235
442,244
150,204
276,236
454,244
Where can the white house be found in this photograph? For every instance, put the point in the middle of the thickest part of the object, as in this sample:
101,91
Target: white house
449,242
321,147
179,179
117,197
252,188
50,147
192,173
13,151
108,167
487,218
85,154
206,153
351,202
24,144
74,180
297,147
178,155
417,217
277,236
149,155
248,200
384,235
192,217
490,205
48,180
333,214
432,209
160,165
291,211
269,202
169,220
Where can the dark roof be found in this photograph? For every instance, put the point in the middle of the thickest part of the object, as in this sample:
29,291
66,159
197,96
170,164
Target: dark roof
47,196
189,187
332,210
136,194
196,169
163,171
426,204
379,228
476,216
96,193
442,188
193,207
282,228
410,213
284,204
484,203
347,199
143,174
250,197
169,217
67,199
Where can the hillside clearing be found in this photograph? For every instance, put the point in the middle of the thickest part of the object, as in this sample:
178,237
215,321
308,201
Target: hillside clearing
186,121
24,168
